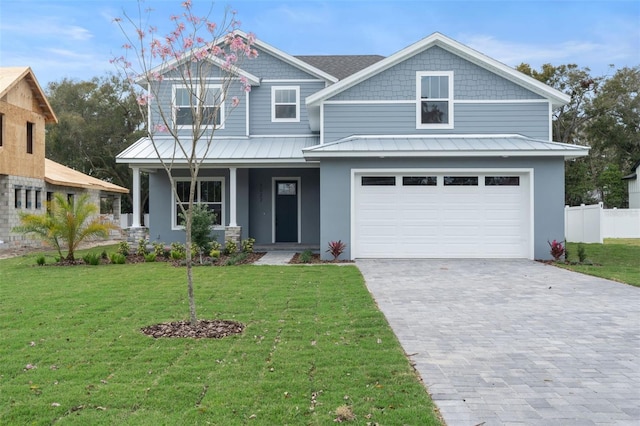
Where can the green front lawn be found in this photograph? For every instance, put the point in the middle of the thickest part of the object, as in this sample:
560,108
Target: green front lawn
71,350
616,259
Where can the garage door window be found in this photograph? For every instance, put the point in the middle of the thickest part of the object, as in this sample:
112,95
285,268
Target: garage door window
419,180
378,180
502,181
461,181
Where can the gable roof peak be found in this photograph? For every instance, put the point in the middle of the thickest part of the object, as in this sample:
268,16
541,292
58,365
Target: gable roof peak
556,97
11,76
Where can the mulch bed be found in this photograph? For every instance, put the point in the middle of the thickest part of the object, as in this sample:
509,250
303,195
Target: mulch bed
206,260
207,329
315,259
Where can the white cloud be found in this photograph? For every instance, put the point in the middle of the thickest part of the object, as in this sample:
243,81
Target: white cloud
49,27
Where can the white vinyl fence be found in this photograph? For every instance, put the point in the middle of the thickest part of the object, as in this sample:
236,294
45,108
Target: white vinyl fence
592,224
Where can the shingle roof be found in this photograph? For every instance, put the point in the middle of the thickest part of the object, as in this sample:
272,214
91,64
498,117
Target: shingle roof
340,66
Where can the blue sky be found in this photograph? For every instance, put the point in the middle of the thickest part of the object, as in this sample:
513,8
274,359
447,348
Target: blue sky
76,38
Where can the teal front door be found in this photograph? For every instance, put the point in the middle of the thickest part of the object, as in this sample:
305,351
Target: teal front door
286,214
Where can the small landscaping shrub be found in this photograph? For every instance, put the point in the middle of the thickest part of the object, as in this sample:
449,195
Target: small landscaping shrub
557,250
214,254
230,247
236,258
247,245
123,248
91,258
40,260
118,258
306,256
215,245
150,257
142,247
158,249
582,253
178,251
104,255
177,254
336,248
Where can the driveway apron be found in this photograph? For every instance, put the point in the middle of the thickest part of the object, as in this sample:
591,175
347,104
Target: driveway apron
515,342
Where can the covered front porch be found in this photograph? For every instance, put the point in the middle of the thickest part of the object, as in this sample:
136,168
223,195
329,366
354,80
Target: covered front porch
259,187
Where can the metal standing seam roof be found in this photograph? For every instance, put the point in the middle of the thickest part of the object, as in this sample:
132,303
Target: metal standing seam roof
443,145
266,149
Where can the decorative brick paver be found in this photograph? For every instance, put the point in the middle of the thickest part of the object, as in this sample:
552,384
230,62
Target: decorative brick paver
515,342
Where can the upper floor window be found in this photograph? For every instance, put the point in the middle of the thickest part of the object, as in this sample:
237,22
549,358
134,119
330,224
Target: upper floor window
285,103
209,192
30,127
1,128
201,105
434,100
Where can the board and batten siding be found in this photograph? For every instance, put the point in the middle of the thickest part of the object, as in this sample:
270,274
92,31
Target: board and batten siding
260,109
529,119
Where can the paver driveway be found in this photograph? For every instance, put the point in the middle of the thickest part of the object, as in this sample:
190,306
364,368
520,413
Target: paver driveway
515,341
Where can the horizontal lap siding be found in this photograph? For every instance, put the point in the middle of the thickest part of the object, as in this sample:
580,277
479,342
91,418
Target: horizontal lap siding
528,119
260,109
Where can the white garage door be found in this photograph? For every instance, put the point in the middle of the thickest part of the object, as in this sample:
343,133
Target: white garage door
441,215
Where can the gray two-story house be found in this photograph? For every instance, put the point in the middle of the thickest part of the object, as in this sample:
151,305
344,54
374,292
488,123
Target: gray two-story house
434,151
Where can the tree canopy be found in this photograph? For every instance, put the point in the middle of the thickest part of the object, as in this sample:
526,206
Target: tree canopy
96,120
604,114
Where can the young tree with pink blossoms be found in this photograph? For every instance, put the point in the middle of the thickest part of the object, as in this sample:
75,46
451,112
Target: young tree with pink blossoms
203,57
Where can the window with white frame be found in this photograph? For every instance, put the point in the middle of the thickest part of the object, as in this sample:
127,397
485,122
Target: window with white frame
434,107
209,193
285,103
202,104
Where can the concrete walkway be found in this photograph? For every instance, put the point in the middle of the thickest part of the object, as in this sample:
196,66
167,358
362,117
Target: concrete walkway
515,342
275,258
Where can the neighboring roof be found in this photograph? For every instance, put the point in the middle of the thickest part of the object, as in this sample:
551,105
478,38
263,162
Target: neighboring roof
57,174
340,66
443,146
436,39
260,149
11,76
634,171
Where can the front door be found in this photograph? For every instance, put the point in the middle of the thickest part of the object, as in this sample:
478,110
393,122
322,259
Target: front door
286,214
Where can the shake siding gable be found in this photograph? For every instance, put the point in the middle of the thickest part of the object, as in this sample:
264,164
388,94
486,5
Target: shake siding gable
471,82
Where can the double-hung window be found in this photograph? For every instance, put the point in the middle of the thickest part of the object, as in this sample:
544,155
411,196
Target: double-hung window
202,105
285,103
434,109
209,193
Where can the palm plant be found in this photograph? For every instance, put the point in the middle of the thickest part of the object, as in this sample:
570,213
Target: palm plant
67,222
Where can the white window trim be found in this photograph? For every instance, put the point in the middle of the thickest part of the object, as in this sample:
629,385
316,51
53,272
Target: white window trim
208,86
274,89
174,208
419,124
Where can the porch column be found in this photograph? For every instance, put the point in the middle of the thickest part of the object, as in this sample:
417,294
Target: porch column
136,197
232,196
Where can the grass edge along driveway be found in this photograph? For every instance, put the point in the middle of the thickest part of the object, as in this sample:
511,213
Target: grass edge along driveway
71,351
616,259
